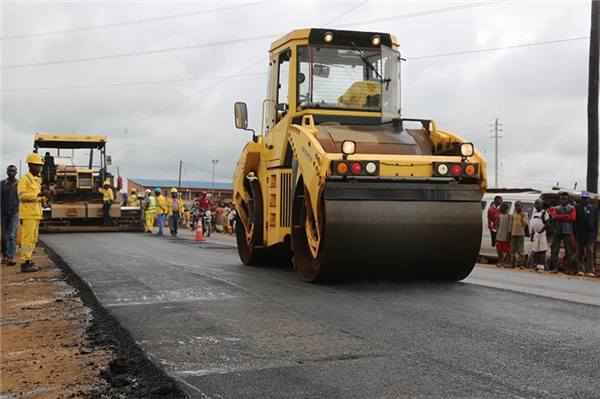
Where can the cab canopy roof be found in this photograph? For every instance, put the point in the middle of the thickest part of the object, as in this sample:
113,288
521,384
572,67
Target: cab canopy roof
316,36
71,141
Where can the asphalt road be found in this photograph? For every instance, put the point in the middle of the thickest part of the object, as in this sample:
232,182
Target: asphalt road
226,330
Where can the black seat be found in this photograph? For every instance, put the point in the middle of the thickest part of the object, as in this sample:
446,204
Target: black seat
49,169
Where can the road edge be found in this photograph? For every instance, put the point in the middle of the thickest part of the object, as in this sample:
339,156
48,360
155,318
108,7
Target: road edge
132,373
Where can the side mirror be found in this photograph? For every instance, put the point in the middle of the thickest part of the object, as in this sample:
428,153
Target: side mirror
241,115
108,160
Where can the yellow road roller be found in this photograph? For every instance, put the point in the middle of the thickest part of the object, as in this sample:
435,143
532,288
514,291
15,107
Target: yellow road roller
337,180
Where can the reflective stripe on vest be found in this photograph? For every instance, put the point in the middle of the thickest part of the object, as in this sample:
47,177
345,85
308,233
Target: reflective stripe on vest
152,206
31,201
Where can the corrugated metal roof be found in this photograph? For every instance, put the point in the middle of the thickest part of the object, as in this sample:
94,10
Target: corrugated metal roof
184,184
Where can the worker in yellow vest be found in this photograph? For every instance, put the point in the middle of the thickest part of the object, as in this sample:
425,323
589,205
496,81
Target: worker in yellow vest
133,199
150,205
108,197
31,196
161,210
174,210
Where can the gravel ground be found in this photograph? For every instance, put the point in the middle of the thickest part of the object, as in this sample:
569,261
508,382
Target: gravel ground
58,342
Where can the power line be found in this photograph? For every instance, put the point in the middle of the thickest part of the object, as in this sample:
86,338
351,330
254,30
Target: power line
235,41
419,14
139,21
184,100
546,144
346,13
207,171
236,75
466,122
133,83
497,48
551,128
194,95
518,132
124,55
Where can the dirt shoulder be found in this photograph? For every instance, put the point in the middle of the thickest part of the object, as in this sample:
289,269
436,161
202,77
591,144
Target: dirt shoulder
58,342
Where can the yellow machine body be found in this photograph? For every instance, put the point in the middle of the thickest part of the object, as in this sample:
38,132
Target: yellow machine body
339,178
77,205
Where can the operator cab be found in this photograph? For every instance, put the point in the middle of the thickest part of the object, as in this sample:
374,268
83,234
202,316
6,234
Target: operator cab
342,78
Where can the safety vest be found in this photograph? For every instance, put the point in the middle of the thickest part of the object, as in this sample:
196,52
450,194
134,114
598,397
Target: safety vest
170,206
30,205
151,205
161,205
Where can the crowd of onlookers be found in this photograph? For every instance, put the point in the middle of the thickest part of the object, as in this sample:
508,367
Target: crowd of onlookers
569,225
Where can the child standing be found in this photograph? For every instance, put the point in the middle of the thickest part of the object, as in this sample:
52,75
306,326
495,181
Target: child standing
539,223
516,232
502,244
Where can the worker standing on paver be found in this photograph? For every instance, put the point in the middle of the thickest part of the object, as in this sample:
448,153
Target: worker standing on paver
150,205
108,197
174,211
30,210
133,199
161,210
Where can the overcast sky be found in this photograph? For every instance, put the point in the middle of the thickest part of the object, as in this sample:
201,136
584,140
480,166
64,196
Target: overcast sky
160,78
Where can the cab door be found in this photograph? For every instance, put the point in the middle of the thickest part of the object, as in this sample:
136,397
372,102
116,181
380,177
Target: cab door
276,109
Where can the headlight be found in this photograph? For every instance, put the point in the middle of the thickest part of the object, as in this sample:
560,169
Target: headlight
328,37
348,147
376,40
467,149
371,167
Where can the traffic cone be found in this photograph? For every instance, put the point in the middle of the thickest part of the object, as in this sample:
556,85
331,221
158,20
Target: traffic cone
199,236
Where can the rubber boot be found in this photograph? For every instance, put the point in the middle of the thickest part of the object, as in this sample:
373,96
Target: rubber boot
28,267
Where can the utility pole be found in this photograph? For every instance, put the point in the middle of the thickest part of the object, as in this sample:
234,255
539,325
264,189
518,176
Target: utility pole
179,186
593,77
212,195
496,137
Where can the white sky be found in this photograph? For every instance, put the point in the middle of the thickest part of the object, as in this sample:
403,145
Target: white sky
157,77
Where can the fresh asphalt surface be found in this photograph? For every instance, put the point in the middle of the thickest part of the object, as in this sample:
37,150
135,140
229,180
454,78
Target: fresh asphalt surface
225,330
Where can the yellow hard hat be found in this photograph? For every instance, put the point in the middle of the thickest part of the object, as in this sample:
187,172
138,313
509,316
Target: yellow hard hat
34,159
173,190
133,190
106,183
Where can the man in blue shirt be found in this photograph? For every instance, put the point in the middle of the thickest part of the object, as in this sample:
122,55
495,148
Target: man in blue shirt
10,215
